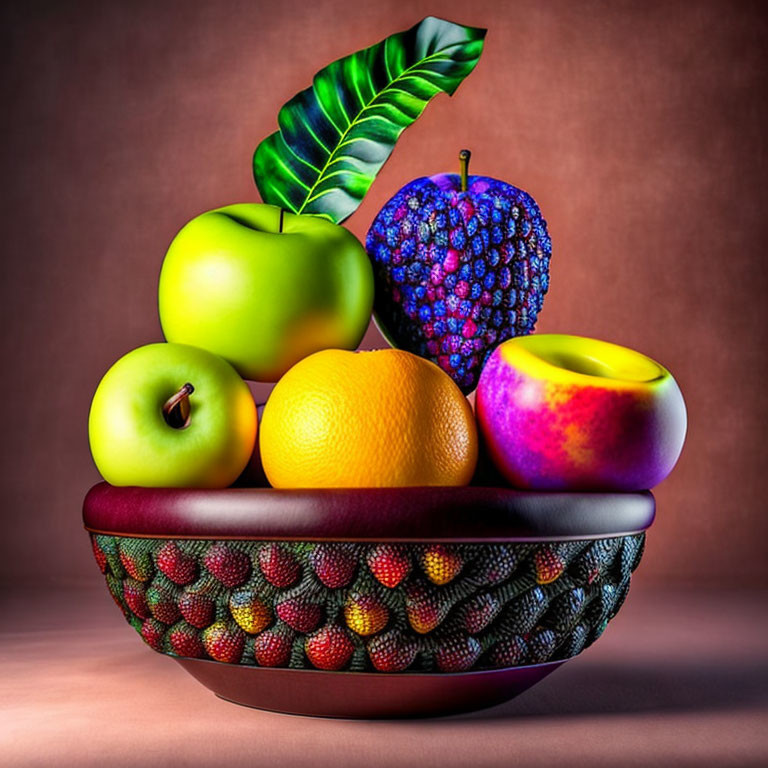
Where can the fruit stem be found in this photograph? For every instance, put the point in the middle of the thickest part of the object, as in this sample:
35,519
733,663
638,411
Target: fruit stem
176,408
280,226
464,156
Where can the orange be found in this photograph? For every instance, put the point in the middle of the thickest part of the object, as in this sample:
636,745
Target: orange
342,419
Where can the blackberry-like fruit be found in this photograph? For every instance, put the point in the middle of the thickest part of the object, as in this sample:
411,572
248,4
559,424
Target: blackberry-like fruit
461,263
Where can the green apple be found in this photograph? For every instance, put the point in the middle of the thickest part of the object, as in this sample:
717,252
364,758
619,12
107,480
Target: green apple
172,415
264,288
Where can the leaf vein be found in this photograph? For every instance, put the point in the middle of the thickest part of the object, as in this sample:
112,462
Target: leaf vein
404,75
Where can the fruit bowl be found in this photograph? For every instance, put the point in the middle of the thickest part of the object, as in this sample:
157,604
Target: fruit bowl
384,602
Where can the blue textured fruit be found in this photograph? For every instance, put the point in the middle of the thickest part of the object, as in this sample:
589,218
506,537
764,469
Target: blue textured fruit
461,263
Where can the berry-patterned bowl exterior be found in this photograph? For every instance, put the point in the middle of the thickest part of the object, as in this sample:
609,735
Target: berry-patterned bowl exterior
367,603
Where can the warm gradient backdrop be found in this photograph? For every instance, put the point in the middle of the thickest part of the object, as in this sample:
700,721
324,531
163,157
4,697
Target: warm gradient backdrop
638,126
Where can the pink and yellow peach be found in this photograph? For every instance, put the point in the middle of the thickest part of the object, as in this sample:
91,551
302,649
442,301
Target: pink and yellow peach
564,412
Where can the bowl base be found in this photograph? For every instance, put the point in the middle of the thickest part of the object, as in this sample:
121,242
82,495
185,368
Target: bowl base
363,695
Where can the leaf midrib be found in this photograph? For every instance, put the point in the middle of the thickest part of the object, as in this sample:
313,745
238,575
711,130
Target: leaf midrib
368,105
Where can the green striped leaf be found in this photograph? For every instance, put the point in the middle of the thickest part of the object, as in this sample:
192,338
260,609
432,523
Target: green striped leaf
336,135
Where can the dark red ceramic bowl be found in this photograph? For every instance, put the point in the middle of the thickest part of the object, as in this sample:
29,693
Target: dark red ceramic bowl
367,603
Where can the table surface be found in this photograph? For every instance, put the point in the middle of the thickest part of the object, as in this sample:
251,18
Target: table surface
679,678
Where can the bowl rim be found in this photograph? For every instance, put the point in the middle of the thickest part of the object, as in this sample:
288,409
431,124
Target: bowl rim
436,513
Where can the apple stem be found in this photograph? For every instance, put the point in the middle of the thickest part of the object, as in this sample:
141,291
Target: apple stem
176,408
280,226
464,156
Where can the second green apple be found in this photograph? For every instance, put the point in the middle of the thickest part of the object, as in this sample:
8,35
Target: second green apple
264,288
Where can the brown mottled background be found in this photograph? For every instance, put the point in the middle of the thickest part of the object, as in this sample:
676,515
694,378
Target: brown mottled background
638,126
